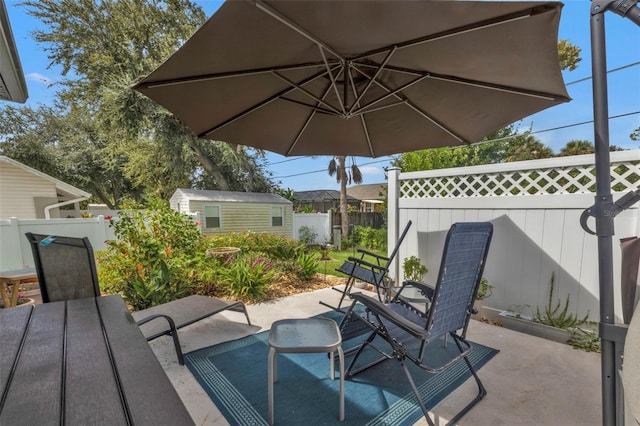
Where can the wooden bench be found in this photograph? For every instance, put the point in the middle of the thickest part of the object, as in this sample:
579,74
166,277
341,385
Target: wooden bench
82,362
184,312
11,280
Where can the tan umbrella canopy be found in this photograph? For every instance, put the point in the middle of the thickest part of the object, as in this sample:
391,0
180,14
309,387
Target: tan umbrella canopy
360,77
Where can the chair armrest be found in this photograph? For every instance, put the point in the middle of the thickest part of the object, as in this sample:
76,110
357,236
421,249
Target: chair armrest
378,308
425,289
376,256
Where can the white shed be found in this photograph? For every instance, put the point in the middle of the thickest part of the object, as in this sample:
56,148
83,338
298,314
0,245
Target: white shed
229,211
27,193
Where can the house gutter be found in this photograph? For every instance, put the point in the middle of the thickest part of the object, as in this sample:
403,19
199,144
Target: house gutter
47,210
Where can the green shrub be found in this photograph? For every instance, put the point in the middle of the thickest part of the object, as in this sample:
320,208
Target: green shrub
246,276
484,290
369,238
413,269
552,315
273,246
307,234
308,263
149,262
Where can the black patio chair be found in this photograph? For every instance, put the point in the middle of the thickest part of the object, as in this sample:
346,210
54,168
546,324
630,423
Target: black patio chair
408,331
370,268
66,270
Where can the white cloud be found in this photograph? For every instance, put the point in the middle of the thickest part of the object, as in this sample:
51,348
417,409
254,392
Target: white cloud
34,76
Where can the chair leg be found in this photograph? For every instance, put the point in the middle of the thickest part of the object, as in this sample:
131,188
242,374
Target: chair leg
172,331
415,391
347,289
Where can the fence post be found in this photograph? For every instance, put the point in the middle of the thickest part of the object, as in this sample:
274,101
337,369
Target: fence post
393,219
14,258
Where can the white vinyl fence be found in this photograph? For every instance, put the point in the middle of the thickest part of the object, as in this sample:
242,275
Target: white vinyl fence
320,223
15,252
535,208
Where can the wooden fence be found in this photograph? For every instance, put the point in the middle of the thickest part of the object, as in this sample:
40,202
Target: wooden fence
374,220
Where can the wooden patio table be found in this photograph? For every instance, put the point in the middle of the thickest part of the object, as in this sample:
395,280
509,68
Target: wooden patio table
82,362
11,280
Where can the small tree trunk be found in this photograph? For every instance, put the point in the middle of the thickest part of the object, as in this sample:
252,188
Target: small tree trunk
344,218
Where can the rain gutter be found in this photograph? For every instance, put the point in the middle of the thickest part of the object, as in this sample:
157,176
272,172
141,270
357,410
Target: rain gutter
47,210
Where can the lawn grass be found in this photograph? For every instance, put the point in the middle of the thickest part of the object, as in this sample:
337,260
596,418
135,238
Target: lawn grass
338,258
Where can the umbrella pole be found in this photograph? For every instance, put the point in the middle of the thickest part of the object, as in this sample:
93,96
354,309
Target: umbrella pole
604,210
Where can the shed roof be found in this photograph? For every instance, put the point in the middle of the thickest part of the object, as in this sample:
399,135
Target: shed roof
231,196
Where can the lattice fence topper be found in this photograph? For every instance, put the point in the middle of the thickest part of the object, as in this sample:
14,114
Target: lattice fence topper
573,179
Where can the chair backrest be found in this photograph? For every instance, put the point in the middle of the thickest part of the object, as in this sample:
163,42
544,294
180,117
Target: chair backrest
395,249
461,267
65,266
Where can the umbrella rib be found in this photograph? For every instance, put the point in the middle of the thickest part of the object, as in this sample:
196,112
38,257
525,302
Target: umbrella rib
474,83
333,80
374,77
487,23
306,124
366,134
306,92
243,73
421,112
260,105
365,109
260,4
309,106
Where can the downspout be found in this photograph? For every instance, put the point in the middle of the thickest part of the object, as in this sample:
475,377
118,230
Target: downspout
47,210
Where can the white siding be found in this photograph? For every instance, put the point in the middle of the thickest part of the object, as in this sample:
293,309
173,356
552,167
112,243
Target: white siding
17,191
180,202
239,217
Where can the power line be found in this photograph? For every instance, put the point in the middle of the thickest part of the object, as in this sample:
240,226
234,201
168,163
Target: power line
478,143
633,64
324,170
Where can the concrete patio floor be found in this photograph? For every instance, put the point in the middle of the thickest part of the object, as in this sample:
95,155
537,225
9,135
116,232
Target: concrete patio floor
532,381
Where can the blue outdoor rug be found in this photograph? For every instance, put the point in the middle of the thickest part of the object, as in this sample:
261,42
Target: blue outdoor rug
234,375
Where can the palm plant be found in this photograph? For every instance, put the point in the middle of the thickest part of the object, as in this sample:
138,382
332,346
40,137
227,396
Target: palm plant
344,177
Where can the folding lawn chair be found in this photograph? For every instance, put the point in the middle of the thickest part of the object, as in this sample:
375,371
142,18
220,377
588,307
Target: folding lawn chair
408,331
370,268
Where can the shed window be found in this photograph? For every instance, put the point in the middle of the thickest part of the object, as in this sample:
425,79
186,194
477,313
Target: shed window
276,216
211,216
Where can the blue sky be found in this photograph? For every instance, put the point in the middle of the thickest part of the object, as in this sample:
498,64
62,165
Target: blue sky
623,50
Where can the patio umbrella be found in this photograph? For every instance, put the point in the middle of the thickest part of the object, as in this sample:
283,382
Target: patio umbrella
362,78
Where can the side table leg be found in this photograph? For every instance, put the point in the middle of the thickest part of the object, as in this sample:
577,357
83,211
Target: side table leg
341,360
270,379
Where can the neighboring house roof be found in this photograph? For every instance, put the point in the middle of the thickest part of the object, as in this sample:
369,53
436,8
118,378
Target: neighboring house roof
12,84
64,190
220,196
369,192
320,195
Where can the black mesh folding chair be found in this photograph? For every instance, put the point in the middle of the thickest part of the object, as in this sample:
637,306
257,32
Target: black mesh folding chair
66,270
408,331
370,268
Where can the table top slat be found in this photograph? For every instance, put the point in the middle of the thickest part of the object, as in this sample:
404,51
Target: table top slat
12,324
92,395
150,395
39,363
